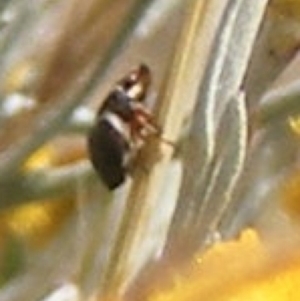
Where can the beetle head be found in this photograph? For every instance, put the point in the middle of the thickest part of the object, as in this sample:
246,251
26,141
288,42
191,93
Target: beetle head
136,83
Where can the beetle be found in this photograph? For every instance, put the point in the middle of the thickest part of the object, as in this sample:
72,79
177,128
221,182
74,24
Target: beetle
122,125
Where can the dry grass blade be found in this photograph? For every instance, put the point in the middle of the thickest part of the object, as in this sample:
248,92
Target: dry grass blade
227,168
142,206
224,75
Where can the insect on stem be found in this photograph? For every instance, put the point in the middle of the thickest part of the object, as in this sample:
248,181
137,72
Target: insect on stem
122,127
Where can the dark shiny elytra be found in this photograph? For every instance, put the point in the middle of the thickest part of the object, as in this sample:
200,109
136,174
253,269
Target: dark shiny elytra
107,148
